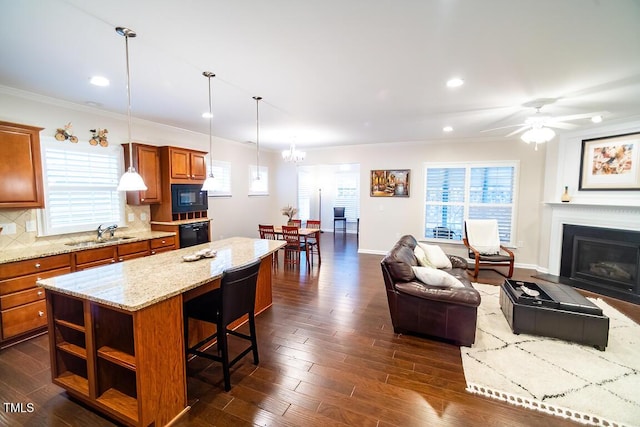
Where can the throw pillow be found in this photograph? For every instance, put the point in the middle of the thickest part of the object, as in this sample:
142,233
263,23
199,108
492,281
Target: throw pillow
435,277
421,257
435,254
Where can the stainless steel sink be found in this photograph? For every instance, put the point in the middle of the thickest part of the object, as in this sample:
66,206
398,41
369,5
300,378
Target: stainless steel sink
90,243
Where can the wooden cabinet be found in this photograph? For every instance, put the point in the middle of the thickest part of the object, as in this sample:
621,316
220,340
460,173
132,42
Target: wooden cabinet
96,257
186,166
22,309
146,160
20,167
132,250
110,358
163,244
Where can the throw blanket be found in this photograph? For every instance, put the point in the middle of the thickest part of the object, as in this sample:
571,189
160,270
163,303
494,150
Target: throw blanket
483,235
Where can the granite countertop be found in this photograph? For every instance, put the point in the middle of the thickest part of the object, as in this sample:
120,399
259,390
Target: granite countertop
32,252
138,283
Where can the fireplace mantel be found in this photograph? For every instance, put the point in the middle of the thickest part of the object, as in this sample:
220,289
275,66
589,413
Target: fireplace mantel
611,215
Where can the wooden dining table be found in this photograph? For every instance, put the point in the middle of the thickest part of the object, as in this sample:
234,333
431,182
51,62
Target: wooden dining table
304,232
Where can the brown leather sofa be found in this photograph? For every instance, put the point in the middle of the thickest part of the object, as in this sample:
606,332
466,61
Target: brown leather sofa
418,308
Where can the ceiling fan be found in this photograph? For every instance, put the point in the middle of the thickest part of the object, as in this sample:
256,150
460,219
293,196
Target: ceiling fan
537,128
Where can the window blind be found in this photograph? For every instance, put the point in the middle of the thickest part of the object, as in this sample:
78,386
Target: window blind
222,183
475,191
80,188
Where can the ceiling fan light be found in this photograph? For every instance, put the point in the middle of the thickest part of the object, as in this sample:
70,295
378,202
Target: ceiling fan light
538,135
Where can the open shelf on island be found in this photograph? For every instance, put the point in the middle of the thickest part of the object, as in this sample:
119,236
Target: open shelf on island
72,349
68,311
74,382
118,357
120,403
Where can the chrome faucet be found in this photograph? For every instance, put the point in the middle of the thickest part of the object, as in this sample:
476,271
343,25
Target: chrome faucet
111,229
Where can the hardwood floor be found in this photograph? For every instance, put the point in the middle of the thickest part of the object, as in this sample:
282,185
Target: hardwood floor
328,357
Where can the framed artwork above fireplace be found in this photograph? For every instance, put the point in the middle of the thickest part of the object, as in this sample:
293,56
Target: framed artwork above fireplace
610,163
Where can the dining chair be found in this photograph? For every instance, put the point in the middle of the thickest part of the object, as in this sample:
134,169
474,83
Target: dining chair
268,232
294,245
234,299
295,223
314,242
338,216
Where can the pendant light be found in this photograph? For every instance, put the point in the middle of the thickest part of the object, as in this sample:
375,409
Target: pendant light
257,98
130,180
210,181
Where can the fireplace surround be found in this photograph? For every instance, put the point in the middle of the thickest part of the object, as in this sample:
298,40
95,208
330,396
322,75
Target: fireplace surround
601,260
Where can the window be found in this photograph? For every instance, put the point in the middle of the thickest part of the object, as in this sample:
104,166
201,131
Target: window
258,187
348,193
222,183
80,188
477,191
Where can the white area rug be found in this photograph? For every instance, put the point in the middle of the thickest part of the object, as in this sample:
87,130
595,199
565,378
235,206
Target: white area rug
557,377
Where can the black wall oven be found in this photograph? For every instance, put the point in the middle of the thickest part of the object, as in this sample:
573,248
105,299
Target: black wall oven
193,234
188,198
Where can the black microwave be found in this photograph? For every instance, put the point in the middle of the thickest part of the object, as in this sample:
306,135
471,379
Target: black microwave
188,198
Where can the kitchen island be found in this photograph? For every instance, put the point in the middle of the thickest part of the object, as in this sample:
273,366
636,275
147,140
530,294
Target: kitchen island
116,332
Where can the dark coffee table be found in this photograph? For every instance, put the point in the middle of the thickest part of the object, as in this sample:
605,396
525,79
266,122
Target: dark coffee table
558,311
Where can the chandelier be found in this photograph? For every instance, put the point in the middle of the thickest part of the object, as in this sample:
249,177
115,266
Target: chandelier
292,155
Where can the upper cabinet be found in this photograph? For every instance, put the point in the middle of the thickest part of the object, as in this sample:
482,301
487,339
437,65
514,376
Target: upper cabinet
20,167
146,160
186,166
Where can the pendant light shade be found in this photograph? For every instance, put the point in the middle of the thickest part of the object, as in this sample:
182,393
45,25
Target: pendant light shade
209,183
257,98
130,180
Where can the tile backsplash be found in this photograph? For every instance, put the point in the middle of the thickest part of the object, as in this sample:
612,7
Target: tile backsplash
25,234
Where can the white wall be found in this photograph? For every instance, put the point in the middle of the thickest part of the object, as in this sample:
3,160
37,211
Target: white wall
383,220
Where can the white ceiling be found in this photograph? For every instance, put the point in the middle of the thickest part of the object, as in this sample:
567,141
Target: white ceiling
331,72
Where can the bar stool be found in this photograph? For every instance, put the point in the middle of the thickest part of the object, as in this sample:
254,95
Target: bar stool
234,299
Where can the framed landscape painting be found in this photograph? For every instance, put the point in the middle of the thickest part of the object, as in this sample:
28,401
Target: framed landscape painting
390,183
611,163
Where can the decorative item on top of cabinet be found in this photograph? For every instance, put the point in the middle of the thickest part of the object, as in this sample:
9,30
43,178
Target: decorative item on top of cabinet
20,167
186,166
146,159
63,134
99,136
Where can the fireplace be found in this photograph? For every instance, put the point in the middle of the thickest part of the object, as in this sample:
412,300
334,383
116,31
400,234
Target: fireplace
602,260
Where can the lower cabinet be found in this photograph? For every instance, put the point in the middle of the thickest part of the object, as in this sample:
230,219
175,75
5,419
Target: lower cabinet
128,365
22,308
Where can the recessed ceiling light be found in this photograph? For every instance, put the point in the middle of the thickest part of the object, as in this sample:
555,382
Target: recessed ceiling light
99,81
447,129
596,119
455,82
207,115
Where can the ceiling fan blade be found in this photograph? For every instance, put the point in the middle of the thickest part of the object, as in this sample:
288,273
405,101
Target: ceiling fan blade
561,125
503,127
517,131
577,116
